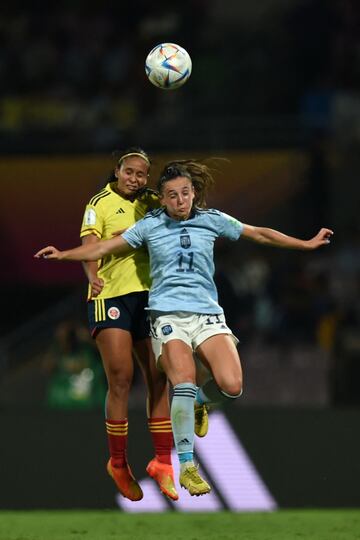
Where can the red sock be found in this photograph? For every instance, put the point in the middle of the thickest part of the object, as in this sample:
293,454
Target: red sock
117,433
162,437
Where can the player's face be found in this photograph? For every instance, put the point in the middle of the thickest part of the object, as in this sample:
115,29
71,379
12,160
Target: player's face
131,176
178,196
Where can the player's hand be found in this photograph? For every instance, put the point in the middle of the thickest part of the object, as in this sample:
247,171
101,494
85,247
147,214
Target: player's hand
321,239
96,286
49,252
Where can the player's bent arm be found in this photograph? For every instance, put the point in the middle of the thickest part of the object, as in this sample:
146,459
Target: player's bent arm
87,252
91,268
271,237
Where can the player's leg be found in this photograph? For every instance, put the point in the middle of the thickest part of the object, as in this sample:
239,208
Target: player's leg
158,408
159,422
115,347
220,355
203,375
178,363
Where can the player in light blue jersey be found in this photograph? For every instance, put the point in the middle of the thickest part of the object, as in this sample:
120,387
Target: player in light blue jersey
184,310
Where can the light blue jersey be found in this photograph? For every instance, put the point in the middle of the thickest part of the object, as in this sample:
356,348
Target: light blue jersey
182,258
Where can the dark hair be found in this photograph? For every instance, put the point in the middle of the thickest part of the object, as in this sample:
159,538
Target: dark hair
121,155
199,173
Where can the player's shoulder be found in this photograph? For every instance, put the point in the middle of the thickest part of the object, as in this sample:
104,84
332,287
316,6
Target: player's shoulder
155,214
100,196
208,212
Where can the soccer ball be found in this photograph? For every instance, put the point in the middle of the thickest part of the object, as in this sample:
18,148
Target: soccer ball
168,66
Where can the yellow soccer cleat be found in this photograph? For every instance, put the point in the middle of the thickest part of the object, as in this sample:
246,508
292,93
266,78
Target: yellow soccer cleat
163,474
201,420
191,480
125,482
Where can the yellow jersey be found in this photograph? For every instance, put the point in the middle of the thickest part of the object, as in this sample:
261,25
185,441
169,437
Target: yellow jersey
106,213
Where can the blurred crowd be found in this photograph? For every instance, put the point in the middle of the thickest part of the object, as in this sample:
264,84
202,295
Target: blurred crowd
72,66
74,375
299,303
76,67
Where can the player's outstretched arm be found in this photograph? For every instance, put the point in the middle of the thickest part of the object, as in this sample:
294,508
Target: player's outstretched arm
86,252
271,237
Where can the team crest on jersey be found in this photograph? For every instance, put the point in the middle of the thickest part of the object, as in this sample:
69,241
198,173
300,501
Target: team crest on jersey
167,329
113,313
185,241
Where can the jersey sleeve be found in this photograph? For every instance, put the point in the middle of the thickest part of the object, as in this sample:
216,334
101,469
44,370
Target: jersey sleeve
93,222
230,227
136,234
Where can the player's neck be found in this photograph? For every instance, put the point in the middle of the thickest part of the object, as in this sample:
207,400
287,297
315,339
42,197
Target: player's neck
176,217
128,196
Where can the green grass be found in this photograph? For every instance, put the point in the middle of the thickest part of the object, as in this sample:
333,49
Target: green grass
111,525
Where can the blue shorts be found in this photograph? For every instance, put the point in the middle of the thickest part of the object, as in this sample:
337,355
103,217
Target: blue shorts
126,312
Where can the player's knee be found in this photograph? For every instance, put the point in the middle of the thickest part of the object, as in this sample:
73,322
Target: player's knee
182,378
232,389
119,383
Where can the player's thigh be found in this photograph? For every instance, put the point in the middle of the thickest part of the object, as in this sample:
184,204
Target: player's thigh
220,355
115,347
177,362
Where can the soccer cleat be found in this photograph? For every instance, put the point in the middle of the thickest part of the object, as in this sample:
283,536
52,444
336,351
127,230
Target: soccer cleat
201,420
191,480
125,481
163,474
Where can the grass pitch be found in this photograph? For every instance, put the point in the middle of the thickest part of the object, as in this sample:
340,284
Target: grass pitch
111,525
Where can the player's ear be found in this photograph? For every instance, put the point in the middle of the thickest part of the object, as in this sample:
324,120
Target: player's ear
117,171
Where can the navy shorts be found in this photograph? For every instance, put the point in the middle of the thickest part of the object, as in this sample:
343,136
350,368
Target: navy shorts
126,312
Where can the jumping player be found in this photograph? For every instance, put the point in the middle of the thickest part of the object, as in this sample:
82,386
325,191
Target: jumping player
118,294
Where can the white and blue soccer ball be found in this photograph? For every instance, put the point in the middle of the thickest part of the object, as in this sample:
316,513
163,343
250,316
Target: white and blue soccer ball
168,66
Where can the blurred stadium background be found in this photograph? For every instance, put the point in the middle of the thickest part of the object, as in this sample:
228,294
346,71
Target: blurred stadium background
275,89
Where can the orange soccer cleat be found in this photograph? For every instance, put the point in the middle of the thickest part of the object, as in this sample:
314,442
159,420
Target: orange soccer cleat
163,474
125,481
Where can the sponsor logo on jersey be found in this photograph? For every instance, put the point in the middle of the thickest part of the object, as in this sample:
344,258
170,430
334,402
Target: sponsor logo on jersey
167,329
120,211
90,217
113,313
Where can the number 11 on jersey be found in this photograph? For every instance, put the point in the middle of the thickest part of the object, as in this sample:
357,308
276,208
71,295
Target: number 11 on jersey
185,262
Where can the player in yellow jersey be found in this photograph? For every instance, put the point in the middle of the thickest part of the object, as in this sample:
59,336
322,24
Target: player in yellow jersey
118,294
